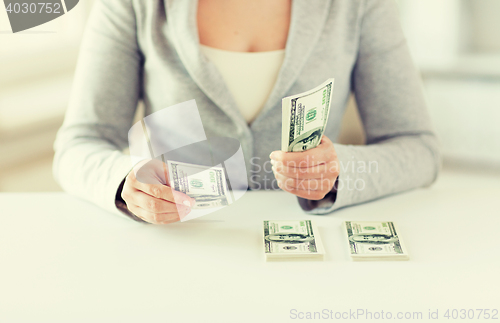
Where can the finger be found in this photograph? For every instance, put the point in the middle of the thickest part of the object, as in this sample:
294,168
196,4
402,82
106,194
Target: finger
322,154
153,204
317,171
326,140
306,184
154,218
164,192
151,171
324,184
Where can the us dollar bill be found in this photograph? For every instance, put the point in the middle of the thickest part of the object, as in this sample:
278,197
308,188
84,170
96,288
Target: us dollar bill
305,116
206,185
292,239
374,241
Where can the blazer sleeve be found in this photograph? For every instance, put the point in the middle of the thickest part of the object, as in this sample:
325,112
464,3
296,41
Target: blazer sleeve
89,162
402,151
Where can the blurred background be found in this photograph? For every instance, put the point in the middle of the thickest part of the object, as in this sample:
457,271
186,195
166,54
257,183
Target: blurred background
455,45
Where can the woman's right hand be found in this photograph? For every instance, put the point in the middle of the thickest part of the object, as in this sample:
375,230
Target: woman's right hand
148,194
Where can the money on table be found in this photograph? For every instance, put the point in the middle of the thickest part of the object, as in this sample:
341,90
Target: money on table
207,185
374,241
293,239
305,116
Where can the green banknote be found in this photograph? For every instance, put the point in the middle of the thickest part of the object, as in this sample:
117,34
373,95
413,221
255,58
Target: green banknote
305,116
374,241
207,185
291,239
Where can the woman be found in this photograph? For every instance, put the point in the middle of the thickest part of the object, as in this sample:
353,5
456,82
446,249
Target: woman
169,51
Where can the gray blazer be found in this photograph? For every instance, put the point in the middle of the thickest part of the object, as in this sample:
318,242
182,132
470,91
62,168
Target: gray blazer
148,50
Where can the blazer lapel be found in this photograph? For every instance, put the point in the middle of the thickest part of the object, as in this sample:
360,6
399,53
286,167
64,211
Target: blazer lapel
307,21
181,19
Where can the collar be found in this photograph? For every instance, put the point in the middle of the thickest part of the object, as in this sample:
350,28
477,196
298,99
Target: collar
307,21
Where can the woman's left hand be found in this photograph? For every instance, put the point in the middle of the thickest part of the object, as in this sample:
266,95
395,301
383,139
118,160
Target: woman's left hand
308,174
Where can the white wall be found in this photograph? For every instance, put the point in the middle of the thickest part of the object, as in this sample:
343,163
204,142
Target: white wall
456,45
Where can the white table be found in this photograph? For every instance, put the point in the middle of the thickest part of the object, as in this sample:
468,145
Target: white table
65,260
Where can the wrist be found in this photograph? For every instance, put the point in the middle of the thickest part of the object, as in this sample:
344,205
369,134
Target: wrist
327,201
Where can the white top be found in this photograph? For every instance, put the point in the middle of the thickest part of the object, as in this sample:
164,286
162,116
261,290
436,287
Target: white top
250,77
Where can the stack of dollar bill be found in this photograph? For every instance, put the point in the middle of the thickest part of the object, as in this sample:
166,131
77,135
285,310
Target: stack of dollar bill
374,241
293,239
305,116
206,185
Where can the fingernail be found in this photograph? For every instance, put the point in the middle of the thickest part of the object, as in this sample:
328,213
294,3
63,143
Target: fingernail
186,203
275,155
